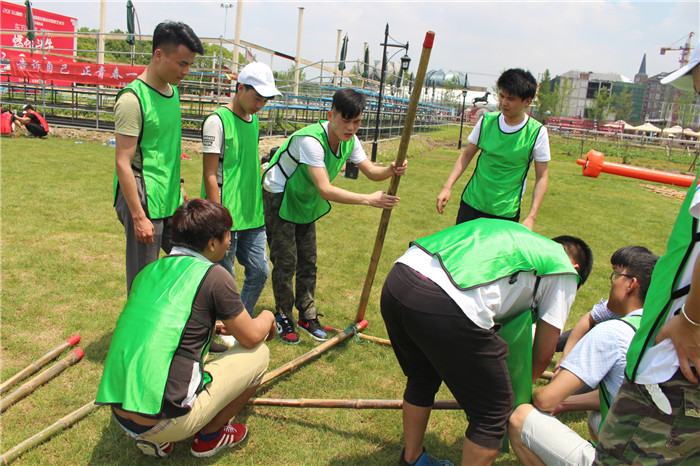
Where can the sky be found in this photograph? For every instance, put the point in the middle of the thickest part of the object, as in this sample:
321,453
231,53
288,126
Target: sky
481,38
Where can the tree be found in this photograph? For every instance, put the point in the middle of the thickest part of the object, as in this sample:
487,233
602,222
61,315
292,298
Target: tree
600,107
547,98
563,91
687,108
623,104
453,83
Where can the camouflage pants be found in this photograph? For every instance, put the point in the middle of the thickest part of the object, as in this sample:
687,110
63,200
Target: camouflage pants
292,252
637,432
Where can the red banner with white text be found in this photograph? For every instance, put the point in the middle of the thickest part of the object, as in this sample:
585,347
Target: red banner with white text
83,73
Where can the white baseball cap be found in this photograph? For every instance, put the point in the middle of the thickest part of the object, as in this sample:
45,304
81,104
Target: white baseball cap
682,78
260,76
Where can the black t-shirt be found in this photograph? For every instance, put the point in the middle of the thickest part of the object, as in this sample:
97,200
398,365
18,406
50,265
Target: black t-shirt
217,298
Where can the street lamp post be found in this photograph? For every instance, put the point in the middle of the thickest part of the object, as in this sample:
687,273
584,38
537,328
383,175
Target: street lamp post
226,6
405,62
464,103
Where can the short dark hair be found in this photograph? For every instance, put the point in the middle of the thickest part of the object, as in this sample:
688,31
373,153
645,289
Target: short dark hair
637,261
579,251
197,221
519,82
27,107
171,34
348,102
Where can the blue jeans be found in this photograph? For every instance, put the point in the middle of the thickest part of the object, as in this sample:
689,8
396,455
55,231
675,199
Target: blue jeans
248,246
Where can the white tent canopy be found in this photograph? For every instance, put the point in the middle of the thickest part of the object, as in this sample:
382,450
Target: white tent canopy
673,130
647,128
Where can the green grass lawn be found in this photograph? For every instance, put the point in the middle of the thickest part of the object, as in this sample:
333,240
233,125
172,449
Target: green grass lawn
63,273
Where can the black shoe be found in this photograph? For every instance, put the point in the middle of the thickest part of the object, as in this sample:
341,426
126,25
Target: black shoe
215,347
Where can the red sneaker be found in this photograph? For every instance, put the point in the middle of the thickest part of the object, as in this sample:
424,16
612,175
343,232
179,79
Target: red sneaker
231,434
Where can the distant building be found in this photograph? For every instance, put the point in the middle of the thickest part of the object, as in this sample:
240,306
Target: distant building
584,86
652,101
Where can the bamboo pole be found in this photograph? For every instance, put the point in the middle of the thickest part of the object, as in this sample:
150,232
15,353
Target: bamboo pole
382,341
39,363
41,379
345,404
57,426
393,186
355,327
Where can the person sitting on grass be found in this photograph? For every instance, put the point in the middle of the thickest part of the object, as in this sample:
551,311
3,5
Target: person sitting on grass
598,359
155,377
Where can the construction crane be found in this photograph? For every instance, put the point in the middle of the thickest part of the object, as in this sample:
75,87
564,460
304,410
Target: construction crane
685,50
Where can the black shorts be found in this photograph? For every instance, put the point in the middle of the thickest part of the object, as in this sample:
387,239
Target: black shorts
467,213
434,341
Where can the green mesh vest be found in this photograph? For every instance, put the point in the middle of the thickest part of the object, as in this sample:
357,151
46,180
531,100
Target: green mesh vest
159,143
148,334
667,291
501,169
470,255
460,247
301,202
241,191
603,392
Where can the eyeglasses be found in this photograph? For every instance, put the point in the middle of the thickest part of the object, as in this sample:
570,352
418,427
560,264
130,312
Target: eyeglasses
615,275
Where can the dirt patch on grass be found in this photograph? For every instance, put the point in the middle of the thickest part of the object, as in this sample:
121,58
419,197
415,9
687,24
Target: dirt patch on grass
664,191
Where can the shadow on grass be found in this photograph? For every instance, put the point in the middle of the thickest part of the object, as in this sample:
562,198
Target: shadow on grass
96,351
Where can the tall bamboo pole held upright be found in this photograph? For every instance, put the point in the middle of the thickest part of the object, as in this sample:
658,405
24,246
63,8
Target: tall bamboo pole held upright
39,363
400,157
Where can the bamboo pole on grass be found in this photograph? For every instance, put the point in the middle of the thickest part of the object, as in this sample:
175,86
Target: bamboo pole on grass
45,434
39,363
41,379
345,404
393,186
355,327
362,336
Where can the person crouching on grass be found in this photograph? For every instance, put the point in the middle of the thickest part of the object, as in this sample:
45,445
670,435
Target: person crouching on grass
155,378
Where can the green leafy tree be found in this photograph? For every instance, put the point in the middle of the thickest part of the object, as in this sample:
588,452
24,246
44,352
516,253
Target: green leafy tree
453,83
116,50
563,91
600,107
547,98
623,104
687,108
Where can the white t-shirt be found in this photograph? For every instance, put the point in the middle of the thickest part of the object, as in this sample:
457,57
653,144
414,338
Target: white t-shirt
500,299
660,362
309,151
213,141
541,150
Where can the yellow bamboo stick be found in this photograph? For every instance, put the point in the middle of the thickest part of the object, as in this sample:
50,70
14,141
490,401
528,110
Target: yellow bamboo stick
39,363
393,186
40,379
57,426
347,404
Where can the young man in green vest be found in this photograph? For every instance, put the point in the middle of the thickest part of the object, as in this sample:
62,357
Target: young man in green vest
296,190
656,415
509,141
232,175
597,360
148,133
446,304
156,377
